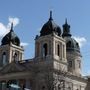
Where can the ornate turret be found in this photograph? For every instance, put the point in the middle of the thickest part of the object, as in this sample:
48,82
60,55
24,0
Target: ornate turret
50,47
71,43
10,49
66,29
72,51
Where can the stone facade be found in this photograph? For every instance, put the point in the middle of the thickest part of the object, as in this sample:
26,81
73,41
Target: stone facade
56,65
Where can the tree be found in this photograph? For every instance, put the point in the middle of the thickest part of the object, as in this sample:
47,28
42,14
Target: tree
54,79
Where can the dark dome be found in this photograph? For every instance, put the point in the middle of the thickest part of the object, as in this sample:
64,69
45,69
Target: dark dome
11,37
50,27
72,44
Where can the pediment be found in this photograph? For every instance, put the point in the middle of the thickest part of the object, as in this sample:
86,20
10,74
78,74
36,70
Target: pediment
12,68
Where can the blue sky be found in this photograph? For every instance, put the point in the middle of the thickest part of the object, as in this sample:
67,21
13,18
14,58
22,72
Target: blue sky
30,15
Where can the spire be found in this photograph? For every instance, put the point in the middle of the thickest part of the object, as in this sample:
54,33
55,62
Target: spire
12,26
50,16
66,29
66,21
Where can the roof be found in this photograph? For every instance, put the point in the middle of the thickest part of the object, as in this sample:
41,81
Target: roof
14,67
10,37
49,27
71,43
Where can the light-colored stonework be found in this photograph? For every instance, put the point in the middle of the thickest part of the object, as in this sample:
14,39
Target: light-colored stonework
54,67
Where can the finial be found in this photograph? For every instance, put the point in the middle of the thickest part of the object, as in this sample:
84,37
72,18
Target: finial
12,26
66,21
50,16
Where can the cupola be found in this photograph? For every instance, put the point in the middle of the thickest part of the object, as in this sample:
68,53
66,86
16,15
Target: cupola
10,37
49,27
71,43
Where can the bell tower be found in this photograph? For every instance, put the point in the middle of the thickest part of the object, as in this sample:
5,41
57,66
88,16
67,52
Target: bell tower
50,46
72,51
10,49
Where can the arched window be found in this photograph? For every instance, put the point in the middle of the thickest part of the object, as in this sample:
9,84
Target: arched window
63,51
45,49
58,49
15,57
4,58
77,45
68,44
79,63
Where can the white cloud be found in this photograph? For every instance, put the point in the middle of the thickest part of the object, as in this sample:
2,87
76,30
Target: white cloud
80,40
24,44
5,28
86,73
15,21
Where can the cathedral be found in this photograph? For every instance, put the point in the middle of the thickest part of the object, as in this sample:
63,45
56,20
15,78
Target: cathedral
56,65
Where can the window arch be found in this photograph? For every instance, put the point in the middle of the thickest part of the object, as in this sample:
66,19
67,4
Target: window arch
77,45
4,59
68,44
45,49
58,49
79,63
15,57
